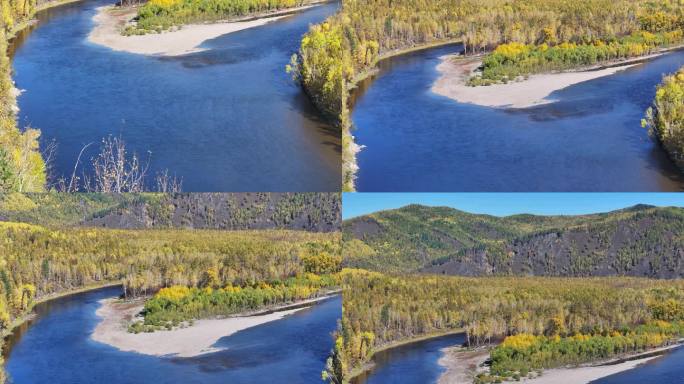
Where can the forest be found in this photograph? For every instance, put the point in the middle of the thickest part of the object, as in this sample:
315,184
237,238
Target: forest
337,53
159,15
179,305
536,322
22,167
665,119
509,62
640,241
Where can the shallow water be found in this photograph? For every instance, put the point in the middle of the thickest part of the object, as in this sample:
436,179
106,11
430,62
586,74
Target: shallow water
591,139
56,348
414,363
226,119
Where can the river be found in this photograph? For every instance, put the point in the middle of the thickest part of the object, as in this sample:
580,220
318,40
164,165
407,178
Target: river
418,363
665,369
413,363
591,139
56,348
226,119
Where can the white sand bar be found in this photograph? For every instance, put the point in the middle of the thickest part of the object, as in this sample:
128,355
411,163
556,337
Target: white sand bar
590,373
461,367
535,90
191,341
110,21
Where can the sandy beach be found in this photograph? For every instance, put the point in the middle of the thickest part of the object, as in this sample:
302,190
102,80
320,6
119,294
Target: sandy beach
110,21
190,341
584,374
462,365
536,90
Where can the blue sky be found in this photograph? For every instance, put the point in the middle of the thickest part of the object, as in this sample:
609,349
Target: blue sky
503,204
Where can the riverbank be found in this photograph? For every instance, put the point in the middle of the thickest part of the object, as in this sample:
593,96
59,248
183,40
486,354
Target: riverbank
30,315
369,364
110,21
455,71
461,365
535,90
587,374
350,149
190,341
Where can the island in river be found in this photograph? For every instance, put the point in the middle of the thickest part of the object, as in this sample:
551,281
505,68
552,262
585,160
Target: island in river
188,341
455,71
462,365
110,22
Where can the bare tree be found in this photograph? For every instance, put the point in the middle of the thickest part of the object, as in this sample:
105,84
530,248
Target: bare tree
167,183
114,171
49,151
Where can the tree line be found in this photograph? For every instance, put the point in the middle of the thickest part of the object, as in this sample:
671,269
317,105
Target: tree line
180,305
665,119
22,167
160,15
635,241
230,211
509,62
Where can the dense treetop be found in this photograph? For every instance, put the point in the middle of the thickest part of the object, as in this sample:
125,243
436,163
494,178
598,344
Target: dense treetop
302,211
666,118
638,241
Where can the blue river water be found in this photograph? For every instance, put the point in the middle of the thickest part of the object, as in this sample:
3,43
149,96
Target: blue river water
226,119
414,363
591,139
56,348
417,363
667,369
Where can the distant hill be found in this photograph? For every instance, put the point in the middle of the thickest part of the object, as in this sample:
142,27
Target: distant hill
638,241
318,212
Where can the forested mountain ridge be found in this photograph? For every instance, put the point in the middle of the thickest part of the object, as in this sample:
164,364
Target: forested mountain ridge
638,241
234,211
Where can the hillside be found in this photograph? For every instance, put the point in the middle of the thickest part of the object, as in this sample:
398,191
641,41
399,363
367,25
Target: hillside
228,211
639,241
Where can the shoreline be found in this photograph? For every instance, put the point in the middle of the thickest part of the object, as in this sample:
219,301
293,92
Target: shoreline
30,315
369,364
195,340
455,70
463,365
349,163
109,22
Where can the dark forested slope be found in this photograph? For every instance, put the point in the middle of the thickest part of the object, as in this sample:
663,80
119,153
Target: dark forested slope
235,211
638,241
